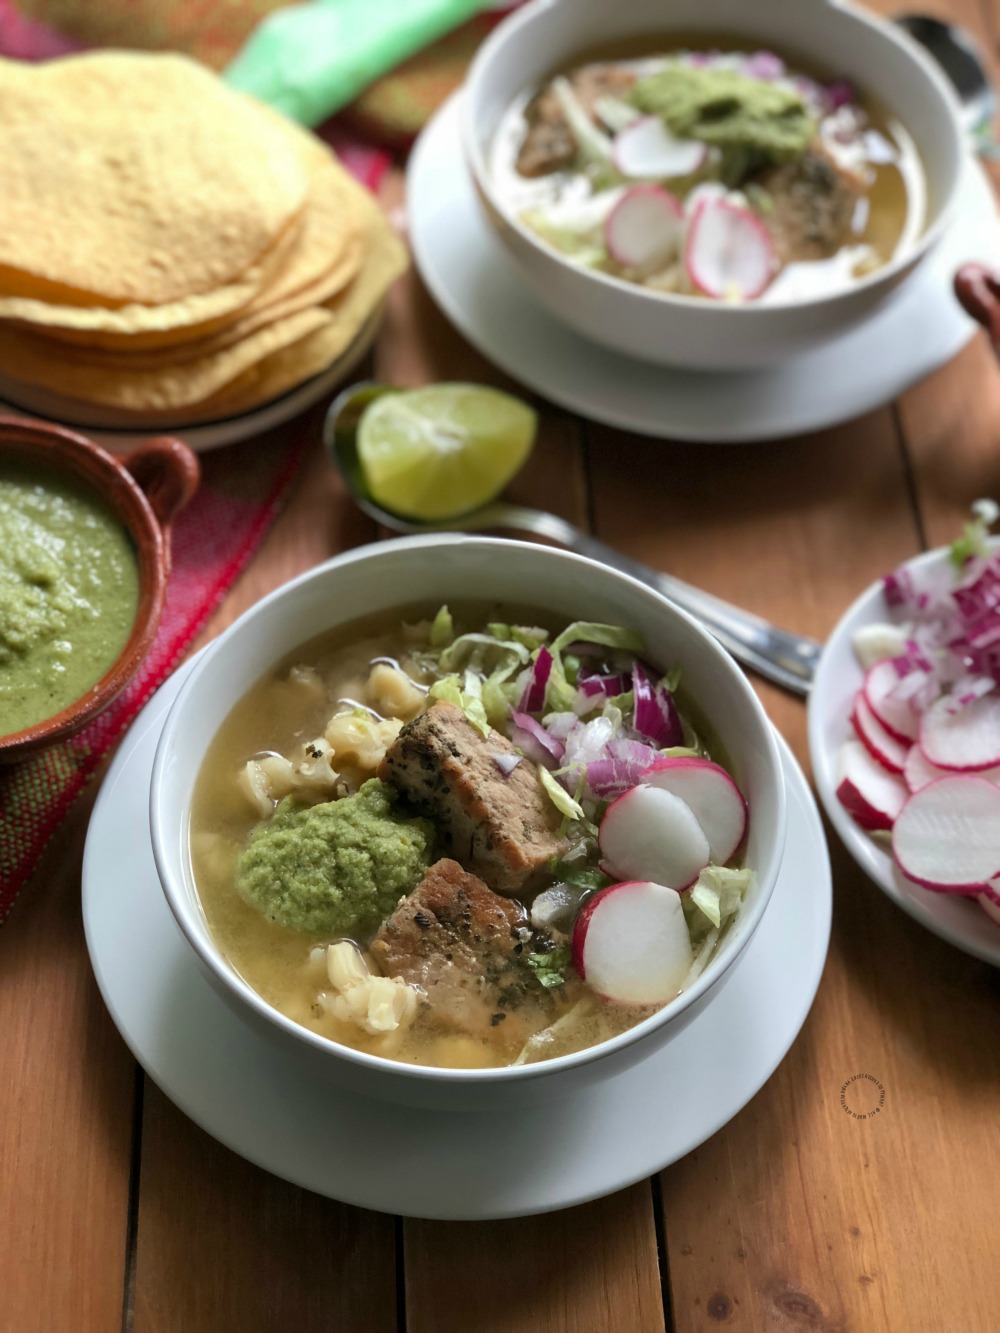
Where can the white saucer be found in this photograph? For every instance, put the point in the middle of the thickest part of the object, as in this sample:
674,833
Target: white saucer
954,918
481,291
263,1104
50,406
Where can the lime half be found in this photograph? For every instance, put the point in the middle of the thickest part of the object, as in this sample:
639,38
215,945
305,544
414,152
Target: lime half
440,451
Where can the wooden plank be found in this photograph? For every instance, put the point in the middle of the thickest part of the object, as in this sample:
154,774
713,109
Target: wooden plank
591,1268
224,1245
66,1119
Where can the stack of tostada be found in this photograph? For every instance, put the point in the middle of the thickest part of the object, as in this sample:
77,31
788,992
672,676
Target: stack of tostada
172,251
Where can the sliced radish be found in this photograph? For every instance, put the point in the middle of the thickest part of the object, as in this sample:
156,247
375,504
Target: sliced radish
729,253
889,752
631,943
652,834
898,716
644,229
646,150
918,770
870,794
990,907
964,741
712,796
947,835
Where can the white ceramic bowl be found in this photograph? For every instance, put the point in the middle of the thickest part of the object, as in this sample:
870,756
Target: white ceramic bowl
688,331
443,568
838,678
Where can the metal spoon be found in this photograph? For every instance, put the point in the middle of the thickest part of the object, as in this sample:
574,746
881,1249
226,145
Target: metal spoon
959,57
787,659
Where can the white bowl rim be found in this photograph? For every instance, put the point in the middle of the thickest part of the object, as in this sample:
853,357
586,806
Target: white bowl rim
914,253
213,960
859,844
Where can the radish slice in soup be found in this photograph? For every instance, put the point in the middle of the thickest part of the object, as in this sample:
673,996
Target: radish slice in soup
712,795
729,254
646,150
643,231
947,835
631,943
652,834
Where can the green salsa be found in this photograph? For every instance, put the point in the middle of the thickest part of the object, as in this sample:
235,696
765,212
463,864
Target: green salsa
69,589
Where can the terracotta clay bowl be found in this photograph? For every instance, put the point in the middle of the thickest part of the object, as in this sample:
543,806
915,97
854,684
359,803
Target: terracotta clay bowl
145,489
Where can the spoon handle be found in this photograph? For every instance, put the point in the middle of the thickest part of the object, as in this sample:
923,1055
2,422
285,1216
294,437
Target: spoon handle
776,654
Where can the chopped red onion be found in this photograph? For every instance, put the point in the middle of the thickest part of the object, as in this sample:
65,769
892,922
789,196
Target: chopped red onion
506,762
656,713
533,698
840,92
596,686
621,771
536,743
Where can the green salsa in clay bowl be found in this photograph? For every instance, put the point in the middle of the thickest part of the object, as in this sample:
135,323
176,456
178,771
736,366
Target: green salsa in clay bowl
84,563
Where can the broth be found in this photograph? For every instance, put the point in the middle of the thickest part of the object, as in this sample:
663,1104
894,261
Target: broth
288,967
836,211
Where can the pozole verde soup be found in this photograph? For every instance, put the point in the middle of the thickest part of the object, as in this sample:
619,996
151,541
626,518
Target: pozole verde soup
706,168
403,837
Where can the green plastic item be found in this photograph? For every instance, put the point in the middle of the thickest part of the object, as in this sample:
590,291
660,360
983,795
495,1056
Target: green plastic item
310,60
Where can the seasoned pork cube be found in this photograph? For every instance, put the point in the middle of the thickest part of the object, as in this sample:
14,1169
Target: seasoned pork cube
549,144
465,946
813,204
503,828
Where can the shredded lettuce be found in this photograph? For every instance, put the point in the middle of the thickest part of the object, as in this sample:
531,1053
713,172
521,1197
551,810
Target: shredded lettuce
560,797
579,876
582,245
560,695
975,534
468,697
716,895
609,636
475,649
550,968
442,628
592,145
500,694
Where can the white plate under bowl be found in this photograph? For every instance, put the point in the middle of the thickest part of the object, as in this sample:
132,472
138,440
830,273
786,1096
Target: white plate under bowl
49,406
480,289
958,920
265,1105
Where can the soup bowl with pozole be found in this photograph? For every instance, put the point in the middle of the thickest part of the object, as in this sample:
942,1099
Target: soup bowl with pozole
714,184
467,821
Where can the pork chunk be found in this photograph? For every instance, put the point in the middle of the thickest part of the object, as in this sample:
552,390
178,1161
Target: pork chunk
503,828
549,144
466,946
813,201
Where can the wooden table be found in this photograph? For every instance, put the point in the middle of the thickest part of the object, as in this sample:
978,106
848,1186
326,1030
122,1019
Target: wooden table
117,1212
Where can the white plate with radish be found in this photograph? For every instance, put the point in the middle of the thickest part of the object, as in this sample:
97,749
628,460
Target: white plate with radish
904,737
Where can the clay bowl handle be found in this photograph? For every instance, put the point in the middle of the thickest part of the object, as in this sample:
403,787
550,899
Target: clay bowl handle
978,290
167,472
